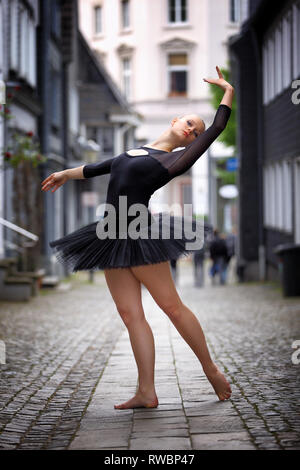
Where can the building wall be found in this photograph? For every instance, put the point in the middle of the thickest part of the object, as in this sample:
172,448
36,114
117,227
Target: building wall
268,136
148,41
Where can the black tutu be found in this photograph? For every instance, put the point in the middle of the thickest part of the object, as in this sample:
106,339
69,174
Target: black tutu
84,250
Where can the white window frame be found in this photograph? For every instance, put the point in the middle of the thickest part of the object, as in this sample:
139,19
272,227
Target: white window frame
277,195
287,196
278,59
14,43
24,47
265,74
126,77
1,38
32,53
271,64
281,55
178,13
296,40
286,49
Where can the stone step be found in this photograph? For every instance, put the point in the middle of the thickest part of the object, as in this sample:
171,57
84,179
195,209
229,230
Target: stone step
50,281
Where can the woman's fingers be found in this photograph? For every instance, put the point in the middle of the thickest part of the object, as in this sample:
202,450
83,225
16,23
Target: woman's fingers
219,72
46,179
48,185
210,80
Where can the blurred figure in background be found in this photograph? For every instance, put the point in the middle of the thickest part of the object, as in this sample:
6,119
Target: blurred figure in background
219,256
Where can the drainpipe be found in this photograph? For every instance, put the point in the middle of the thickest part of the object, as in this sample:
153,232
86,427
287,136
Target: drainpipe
260,149
120,132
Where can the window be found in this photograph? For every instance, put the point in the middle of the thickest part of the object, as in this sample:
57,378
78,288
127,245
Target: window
287,195
14,42
126,73
278,60
177,11
271,60
125,14
281,55
1,37
24,56
22,42
27,64
286,50
55,98
296,40
278,196
107,140
238,11
55,18
98,19
177,74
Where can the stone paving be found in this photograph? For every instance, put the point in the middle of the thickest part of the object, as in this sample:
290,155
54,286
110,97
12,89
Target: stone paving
69,361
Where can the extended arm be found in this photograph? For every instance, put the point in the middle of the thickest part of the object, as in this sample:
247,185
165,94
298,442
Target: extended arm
57,179
182,160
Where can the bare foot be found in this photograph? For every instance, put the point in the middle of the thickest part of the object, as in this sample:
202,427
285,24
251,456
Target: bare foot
218,381
139,401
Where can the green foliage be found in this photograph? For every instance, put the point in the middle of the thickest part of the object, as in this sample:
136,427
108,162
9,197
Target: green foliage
228,136
227,177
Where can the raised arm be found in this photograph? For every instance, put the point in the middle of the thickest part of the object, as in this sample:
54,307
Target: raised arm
180,161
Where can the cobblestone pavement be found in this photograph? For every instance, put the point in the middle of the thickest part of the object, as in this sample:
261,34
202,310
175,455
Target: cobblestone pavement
69,360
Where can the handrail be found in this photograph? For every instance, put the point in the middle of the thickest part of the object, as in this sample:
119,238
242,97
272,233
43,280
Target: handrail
18,229
13,246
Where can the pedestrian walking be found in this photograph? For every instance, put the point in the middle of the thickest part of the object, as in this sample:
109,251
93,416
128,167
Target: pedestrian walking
219,255
129,262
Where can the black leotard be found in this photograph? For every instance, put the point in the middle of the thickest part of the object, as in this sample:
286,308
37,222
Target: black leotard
138,177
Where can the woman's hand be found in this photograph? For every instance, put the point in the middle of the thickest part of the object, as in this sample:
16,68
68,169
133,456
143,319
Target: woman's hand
221,82
55,180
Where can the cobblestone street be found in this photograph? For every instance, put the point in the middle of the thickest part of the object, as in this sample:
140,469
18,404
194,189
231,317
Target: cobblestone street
68,361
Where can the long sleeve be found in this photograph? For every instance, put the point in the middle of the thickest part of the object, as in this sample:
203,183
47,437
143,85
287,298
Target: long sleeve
96,169
180,161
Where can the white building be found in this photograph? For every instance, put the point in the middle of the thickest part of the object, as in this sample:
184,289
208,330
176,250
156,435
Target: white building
158,52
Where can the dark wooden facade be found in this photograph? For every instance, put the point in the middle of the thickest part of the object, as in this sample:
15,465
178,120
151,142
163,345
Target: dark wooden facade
268,132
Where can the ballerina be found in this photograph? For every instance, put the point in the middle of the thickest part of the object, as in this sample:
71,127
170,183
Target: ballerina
128,263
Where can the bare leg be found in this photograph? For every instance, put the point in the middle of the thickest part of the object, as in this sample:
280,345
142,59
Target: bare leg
158,280
126,292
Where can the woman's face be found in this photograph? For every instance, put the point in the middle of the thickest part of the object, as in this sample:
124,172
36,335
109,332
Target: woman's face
187,128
